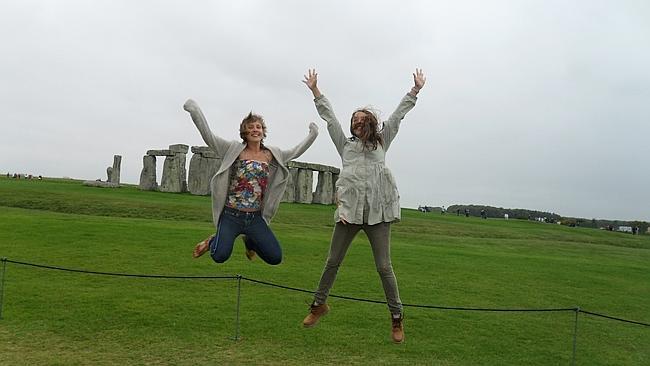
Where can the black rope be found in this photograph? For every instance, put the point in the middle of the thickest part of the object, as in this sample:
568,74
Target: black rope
275,285
118,274
405,305
614,318
489,309
575,309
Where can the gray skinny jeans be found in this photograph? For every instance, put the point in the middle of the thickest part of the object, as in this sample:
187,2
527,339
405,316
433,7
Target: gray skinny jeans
379,237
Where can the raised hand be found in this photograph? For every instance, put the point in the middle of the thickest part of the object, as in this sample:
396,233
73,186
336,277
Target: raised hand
190,105
418,79
311,80
313,127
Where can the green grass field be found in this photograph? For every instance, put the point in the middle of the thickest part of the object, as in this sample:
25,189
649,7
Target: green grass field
61,318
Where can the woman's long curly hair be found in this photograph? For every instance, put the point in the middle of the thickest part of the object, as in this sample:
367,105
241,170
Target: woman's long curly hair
250,118
370,134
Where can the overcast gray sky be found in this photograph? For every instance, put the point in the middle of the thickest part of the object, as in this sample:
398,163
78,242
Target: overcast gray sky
528,104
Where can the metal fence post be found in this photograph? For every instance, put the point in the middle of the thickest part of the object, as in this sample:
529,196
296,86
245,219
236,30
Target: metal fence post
575,336
2,284
236,338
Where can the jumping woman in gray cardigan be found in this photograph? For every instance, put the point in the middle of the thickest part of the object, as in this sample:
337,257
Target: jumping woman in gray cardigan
367,197
247,188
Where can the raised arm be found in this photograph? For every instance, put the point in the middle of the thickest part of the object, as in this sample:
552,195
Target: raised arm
325,111
391,126
311,80
299,149
217,143
418,80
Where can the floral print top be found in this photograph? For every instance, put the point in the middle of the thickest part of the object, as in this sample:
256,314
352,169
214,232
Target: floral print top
248,182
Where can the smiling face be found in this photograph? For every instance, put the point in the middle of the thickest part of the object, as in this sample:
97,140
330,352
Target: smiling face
254,131
365,126
252,128
358,123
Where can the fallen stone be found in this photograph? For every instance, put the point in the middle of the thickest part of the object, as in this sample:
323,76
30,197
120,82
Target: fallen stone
100,184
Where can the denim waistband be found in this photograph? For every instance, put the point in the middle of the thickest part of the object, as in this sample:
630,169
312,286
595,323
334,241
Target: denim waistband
235,212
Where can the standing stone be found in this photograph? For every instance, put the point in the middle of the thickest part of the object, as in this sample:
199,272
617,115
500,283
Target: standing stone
324,189
115,174
174,176
304,186
203,166
148,174
290,191
109,174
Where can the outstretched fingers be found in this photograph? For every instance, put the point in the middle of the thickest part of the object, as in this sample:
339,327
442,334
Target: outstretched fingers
311,78
419,79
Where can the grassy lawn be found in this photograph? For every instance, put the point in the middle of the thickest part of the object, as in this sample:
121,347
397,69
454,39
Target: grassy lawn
62,318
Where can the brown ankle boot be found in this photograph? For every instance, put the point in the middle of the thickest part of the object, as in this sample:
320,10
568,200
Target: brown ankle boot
398,329
315,312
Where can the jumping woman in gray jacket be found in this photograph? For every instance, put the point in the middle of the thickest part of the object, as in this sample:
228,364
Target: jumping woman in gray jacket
367,197
247,188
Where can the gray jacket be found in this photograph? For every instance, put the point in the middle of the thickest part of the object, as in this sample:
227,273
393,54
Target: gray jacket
366,190
229,151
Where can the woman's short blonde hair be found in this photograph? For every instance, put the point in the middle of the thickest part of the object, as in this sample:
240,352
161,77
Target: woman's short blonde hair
250,118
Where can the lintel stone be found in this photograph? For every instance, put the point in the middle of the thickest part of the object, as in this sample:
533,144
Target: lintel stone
165,152
178,148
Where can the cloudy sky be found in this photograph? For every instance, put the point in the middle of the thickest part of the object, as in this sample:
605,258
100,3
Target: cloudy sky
528,104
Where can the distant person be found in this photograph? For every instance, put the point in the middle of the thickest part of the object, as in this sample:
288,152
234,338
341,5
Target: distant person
483,215
458,212
505,216
442,210
367,196
247,188
466,212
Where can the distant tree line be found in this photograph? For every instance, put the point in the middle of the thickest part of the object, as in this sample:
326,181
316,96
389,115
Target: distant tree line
550,217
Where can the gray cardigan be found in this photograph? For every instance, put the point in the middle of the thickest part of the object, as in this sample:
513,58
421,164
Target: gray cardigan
229,151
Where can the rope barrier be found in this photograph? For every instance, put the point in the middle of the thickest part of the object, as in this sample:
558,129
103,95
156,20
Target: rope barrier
239,277
614,318
406,305
118,274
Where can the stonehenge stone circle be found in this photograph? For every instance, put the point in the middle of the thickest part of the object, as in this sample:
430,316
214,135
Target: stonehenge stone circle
205,163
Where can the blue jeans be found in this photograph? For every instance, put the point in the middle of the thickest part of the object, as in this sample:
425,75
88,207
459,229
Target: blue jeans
232,223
